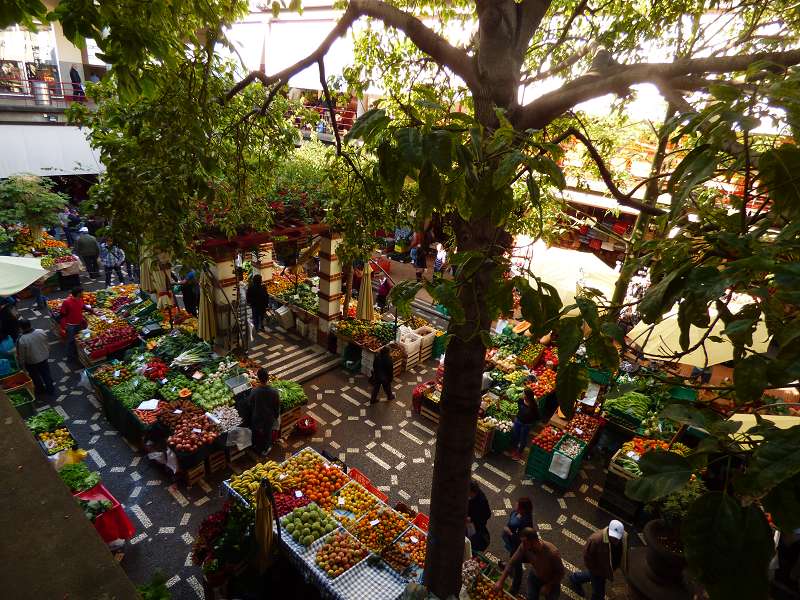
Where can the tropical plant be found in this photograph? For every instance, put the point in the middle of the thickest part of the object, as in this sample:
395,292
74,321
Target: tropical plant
31,201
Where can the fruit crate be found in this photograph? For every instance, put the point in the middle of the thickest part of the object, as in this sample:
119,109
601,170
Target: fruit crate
25,409
429,414
501,441
216,461
574,468
194,474
483,440
613,467
289,421
16,381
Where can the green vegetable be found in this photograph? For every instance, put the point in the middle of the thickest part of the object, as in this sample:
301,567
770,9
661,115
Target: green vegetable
47,420
78,477
175,382
631,403
135,391
292,394
94,508
19,397
195,355
302,297
210,395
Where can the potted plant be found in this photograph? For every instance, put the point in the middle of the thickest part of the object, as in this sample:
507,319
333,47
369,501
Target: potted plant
663,534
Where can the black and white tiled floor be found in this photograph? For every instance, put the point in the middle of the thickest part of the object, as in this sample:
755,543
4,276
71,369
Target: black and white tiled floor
388,442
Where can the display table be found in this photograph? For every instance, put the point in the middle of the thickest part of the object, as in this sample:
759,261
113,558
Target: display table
113,524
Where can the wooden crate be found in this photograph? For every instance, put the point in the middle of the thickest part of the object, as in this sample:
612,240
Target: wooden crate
217,461
425,353
84,357
234,454
483,441
430,415
288,421
195,474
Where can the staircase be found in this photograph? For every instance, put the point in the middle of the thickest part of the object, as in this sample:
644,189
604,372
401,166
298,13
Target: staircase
291,357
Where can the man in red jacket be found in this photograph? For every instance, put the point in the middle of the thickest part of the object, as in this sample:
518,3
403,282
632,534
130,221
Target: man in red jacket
72,317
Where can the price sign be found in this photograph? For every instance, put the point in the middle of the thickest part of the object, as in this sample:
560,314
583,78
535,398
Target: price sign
282,476
579,431
414,539
374,522
196,430
197,375
164,381
116,373
341,500
135,383
137,301
633,455
298,494
87,334
177,411
326,465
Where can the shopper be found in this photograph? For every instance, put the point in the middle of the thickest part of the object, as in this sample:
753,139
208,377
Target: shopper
72,316
520,518
261,411
420,262
88,249
33,354
527,415
75,78
190,290
606,550
112,257
547,569
382,375
383,292
439,261
9,319
478,513
258,300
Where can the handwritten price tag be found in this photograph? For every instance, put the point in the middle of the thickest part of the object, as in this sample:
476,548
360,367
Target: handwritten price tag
341,500
326,465
282,476
298,494
374,522
197,375
579,431
633,455
163,381
196,430
177,411
116,373
414,539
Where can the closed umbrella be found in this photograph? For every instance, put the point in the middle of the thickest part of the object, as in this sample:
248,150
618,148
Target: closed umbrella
206,318
146,275
18,272
161,285
662,340
365,310
570,270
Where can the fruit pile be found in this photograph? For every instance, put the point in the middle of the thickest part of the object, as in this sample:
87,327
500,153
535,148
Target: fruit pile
104,321
350,503
529,354
307,524
302,461
353,327
339,553
545,381
550,356
191,432
583,427
484,590
176,382
415,545
280,284
228,417
319,484
396,558
379,528
286,502
111,375
548,438
156,369
246,483
171,414
210,395
117,337
60,439
149,417
571,447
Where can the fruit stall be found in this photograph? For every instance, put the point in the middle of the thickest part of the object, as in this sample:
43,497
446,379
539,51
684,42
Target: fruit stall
175,397
56,256
346,540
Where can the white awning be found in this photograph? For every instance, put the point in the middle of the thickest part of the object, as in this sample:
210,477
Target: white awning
46,150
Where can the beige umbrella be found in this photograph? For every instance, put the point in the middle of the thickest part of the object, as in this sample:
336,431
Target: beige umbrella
146,275
365,310
206,321
662,340
18,272
161,285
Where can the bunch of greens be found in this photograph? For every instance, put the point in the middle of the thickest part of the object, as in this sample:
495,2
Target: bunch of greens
19,397
47,420
134,391
94,508
78,477
292,394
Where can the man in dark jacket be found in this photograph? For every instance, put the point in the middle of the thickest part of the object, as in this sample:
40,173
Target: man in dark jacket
478,513
606,550
261,410
547,569
88,249
382,375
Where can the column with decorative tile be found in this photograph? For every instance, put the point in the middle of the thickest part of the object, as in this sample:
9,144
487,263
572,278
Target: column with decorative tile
330,286
223,270
262,261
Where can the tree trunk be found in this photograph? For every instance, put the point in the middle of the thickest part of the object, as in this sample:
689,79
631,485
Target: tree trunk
651,193
455,438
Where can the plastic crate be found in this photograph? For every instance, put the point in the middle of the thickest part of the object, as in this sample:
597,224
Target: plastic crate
438,346
25,409
574,468
683,393
601,377
538,462
426,337
501,441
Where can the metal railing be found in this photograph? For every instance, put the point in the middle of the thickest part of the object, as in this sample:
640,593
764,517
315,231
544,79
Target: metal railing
40,93
344,119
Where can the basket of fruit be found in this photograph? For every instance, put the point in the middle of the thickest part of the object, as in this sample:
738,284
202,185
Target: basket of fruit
305,525
339,553
379,527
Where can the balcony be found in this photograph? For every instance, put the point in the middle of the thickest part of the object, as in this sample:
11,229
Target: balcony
38,95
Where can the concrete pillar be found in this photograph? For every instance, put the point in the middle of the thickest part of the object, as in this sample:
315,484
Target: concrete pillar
330,285
223,270
262,263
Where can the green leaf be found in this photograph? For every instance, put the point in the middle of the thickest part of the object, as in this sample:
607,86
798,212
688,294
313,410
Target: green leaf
403,294
507,169
409,144
661,296
750,378
368,125
276,9
446,294
571,382
687,414
783,504
724,91
728,547
602,351
438,148
775,460
570,336
549,168
663,473
430,187
613,331
695,167
778,170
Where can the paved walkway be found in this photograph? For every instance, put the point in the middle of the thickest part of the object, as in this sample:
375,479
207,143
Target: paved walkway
387,441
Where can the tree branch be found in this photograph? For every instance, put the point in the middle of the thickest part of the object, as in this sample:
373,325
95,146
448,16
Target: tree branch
564,64
605,174
427,40
538,113
531,13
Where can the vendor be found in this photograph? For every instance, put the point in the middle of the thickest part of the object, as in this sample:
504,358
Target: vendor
72,318
261,412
